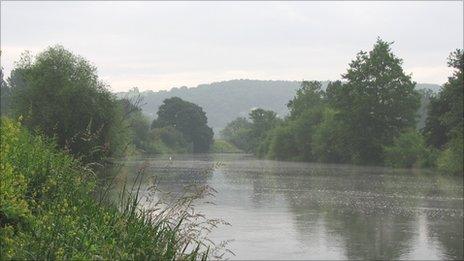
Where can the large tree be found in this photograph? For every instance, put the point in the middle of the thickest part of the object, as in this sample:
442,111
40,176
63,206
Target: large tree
60,95
237,133
189,119
446,108
376,101
262,122
445,125
309,96
5,94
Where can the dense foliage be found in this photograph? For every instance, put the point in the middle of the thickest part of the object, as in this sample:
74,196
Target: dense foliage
246,134
47,207
306,112
47,210
237,132
186,118
444,126
227,100
60,95
5,95
408,150
370,117
222,146
143,139
375,104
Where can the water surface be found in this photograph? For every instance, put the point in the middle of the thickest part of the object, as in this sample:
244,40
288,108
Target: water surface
290,210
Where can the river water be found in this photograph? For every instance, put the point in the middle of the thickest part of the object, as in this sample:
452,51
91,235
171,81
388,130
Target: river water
290,210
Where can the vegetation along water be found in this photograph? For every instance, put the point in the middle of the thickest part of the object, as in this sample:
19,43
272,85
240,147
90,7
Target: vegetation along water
364,167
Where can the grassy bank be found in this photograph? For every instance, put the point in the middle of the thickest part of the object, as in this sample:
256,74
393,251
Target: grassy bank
222,146
47,210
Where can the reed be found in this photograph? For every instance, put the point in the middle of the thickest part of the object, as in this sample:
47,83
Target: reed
48,210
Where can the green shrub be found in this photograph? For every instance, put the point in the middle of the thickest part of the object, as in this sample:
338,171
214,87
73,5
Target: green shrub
14,208
329,142
189,120
282,144
47,210
60,95
170,140
408,150
237,132
450,160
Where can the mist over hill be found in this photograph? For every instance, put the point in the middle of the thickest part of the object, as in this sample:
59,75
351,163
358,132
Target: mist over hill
224,101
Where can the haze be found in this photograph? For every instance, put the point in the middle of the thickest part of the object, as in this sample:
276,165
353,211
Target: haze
159,45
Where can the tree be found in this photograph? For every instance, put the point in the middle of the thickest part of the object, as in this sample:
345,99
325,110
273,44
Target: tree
189,119
262,119
5,94
376,102
137,122
237,132
171,138
292,140
329,140
450,160
408,150
445,125
281,143
251,136
308,96
446,109
306,112
262,122
60,95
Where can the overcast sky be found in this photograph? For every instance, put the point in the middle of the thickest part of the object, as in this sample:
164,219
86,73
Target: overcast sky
159,45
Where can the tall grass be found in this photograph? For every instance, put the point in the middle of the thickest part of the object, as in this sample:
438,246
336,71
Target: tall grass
47,211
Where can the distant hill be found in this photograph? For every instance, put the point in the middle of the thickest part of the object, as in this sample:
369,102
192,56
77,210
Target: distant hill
428,86
227,100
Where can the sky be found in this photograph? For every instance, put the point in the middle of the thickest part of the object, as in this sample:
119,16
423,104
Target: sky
160,45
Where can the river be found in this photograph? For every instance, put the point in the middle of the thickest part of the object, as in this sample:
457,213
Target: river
291,210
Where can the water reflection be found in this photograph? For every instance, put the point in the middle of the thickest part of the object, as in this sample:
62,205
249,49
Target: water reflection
288,210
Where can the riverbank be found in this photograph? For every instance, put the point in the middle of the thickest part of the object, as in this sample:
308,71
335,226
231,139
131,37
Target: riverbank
47,210
222,146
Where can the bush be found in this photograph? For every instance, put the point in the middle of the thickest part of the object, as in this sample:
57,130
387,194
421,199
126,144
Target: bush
282,144
408,150
188,119
60,95
292,139
238,132
171,139
47,210
14,208
451,159
329,141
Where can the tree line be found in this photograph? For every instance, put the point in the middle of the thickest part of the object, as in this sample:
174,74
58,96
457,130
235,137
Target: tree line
369,117
59,124
59,95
